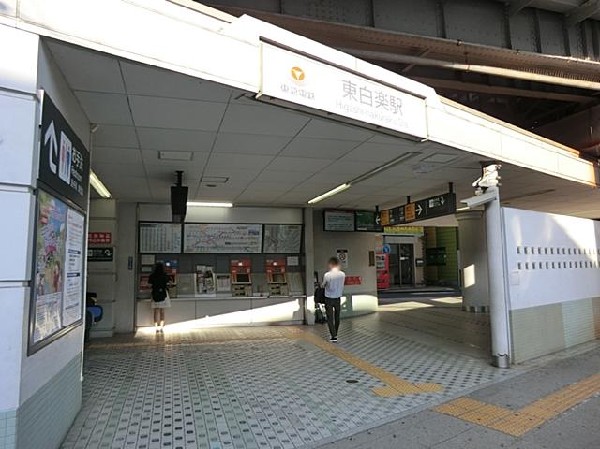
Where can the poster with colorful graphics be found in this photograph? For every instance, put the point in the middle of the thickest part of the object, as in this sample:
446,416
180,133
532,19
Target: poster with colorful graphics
51,238
58,293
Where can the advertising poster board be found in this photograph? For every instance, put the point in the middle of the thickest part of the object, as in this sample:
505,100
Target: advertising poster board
57,297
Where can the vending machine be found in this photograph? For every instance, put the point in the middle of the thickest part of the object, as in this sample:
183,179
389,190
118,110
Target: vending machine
277,277
382,263
241,277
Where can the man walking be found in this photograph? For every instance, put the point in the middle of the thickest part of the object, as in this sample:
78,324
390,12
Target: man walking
333,283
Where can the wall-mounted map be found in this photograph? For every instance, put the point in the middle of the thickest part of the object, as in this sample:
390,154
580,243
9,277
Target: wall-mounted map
282,238
223,238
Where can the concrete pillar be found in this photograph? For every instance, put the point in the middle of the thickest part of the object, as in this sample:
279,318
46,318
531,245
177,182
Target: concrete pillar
473,260
127,219
18,110
40,388
102,273
309,312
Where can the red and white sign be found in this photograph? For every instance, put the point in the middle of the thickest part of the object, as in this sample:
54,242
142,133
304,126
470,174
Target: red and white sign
99,238
353,280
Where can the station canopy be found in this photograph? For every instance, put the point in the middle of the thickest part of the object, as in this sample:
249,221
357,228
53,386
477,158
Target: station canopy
215,113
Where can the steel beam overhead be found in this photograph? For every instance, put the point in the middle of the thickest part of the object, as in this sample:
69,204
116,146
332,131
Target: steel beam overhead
583,12
517,5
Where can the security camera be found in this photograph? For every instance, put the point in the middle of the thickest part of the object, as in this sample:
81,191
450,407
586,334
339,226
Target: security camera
489,177
480,200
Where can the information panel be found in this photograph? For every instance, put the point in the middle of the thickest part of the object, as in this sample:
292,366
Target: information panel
73,290
160,237
299,79
64,160
338,220
223,238
282,238
368,221
58,292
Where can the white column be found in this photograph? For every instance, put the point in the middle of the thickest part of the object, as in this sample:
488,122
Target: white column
309,250
497,273
18,119
473,259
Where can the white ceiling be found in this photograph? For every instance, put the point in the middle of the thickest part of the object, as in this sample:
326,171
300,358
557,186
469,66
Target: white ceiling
267,155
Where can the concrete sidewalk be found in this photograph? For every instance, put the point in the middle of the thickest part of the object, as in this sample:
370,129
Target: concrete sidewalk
552,382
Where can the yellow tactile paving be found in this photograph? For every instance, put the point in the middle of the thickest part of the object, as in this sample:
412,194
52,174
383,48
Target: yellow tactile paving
522,421
394,385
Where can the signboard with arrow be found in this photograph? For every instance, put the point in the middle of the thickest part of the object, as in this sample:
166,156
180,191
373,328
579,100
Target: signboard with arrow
435,206
64,159
432,207
100,254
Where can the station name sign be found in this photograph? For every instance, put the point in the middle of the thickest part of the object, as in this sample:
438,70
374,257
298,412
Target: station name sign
64,159
300,79
432,207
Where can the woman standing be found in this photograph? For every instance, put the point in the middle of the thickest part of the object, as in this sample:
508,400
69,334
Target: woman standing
159,280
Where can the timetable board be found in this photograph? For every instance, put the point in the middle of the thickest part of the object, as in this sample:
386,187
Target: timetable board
338,220
282,238
223,238
160,237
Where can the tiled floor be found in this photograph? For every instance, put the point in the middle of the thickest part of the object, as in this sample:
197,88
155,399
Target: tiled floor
260,388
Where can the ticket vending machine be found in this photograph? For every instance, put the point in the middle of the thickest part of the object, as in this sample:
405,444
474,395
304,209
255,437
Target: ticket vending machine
277,277
241,277
383,271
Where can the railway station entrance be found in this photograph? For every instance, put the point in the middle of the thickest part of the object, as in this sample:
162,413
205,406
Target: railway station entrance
242,167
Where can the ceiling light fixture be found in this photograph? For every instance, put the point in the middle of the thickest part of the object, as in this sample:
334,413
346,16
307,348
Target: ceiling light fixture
364,177
99,186
332,192
208,204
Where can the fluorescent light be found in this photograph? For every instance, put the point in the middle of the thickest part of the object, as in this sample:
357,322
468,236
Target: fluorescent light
208,204
332,192
98,186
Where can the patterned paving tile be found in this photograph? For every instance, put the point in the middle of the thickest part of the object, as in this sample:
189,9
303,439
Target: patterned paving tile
256,388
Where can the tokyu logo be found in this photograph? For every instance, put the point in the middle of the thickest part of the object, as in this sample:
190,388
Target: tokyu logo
298,74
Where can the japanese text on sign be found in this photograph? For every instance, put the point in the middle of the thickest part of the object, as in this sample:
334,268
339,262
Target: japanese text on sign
305,81
98,238
377,99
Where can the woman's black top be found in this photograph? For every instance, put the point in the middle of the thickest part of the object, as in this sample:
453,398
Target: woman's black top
159,286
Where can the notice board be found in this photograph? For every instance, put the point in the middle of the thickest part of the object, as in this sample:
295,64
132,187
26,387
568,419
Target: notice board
223,238
338,220
57,297
282,239
160,238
